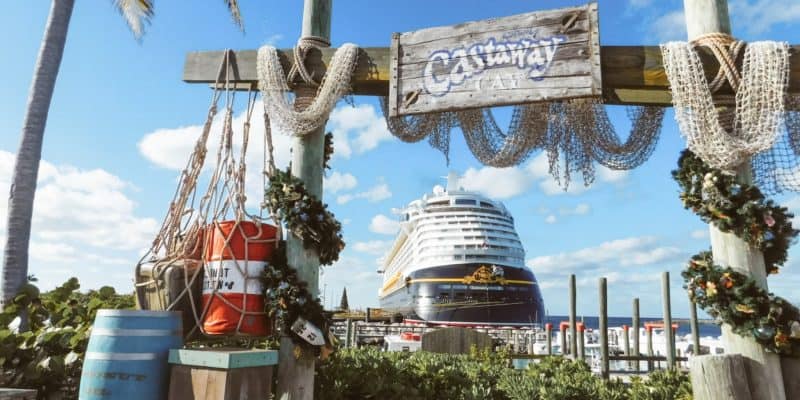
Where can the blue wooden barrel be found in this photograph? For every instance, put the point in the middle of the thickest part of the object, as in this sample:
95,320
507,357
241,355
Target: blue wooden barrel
127,354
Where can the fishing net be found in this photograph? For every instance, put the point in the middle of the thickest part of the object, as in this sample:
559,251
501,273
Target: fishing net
576,134
778,169
726,139
211,234
275,89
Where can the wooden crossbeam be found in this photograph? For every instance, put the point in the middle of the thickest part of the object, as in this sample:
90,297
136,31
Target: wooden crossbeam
631,74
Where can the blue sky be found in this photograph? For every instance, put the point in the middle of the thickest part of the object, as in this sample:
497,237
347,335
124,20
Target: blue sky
122,124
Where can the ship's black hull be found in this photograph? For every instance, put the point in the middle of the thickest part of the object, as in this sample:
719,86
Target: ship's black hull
462,294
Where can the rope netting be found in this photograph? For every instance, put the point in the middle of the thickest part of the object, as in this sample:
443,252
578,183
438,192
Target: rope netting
727,138
206,233
575,134
777,170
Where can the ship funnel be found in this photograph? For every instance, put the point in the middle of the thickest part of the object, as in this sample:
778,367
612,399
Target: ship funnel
452,181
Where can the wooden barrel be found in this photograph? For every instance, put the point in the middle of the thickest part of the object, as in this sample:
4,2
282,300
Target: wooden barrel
127,354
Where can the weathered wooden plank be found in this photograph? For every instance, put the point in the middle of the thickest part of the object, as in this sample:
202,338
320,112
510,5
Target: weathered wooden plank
444,68
17,394
631,74
371,75
790,366
719,377
202,383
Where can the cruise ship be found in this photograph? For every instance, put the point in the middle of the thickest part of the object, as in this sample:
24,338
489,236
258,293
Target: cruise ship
457,260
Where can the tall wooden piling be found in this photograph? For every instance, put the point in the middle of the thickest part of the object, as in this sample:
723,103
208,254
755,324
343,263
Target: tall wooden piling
603,316
636,331
670,334
348,334
548,328
695,328
764,369
563,342
581,347
626,343
649,331
573,340
296,373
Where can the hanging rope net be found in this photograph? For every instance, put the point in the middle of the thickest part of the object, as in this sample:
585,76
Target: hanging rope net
574,133
778,169
211,235
275,89
725,140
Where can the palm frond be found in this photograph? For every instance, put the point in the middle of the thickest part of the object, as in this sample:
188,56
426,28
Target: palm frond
137,14
233,8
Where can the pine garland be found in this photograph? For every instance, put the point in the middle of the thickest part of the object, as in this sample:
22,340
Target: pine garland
287,298
727,295
305,216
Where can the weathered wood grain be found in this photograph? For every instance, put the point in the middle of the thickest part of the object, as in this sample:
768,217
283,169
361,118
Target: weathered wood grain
201,383
719,377
497,62
631,74
455,340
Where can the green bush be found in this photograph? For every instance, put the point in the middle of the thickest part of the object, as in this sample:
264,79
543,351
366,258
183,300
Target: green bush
49,356
371,374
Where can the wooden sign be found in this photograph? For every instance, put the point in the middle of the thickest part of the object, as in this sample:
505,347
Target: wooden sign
538,56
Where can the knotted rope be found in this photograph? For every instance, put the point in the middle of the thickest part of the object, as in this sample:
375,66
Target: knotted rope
726,50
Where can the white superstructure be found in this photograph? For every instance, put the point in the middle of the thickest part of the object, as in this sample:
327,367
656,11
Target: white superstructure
451,226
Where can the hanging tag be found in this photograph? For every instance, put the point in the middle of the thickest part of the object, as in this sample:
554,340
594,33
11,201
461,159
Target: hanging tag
308,331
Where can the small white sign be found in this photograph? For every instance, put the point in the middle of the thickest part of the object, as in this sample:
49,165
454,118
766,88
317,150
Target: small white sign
308,331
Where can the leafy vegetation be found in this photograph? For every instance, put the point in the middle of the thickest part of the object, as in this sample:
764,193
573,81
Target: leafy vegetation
371,374
49,356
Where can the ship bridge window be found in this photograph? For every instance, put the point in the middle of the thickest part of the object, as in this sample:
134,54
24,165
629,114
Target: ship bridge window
465,202
487,205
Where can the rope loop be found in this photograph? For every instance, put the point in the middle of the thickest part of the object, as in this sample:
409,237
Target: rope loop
304,44
726,49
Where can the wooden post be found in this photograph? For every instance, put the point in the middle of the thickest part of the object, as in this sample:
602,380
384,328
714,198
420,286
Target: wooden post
348,333
766,380
668,332
573,340
626,343
636,331
549,329
695,327
296,374
581,347
563,330
603,329
722,377
649,330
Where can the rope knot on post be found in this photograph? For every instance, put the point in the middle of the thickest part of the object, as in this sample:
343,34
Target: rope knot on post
726,49
304,44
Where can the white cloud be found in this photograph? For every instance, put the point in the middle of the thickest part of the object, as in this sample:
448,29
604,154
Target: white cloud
759,16
373,247
82,219
669,26
639,3
580,209
504,183
357,129
699,234
498,183
338,182
384,225
636,251
373,195
551,219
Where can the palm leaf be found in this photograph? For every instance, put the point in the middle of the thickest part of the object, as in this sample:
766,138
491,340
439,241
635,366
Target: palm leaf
137,13
233,8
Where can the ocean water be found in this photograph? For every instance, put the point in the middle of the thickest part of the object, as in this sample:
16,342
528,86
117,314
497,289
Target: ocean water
706,329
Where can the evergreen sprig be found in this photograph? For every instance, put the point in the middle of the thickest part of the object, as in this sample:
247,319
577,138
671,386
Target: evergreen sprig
287,298
305,216
737,300
735,208
727,295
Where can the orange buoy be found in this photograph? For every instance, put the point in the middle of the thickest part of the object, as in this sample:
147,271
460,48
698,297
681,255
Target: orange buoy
236,254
